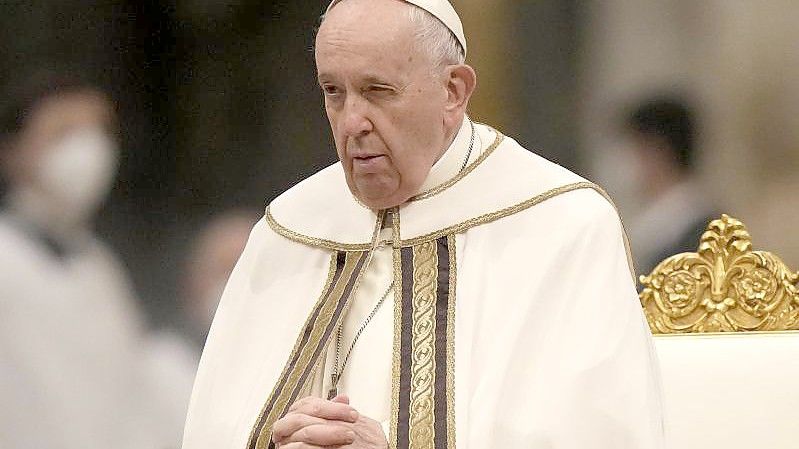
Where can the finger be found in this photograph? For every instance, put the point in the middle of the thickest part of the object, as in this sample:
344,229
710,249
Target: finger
291,423
341,399
321,408
322,435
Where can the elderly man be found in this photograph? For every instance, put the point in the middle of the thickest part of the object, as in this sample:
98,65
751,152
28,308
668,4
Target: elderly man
440,287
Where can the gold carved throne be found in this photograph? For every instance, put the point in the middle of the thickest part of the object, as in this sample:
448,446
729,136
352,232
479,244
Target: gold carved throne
723,287
726,325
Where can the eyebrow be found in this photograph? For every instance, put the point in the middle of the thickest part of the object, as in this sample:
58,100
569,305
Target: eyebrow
374,79
368,79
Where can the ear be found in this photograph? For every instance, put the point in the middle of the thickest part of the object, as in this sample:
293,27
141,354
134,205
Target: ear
460,83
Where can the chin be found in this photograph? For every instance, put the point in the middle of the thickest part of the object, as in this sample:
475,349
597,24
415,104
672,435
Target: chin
378,203
377,195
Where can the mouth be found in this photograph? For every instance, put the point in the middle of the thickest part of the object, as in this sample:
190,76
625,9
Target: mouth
366,161
367,158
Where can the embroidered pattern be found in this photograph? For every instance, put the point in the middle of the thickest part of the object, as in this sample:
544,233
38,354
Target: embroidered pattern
311,342
424,348
425,283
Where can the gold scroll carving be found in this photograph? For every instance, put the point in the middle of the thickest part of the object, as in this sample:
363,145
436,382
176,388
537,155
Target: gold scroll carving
723,287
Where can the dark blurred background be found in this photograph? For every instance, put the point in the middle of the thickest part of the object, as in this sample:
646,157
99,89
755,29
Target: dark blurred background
219,107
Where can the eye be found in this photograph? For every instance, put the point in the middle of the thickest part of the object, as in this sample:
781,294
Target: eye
380,90
330,90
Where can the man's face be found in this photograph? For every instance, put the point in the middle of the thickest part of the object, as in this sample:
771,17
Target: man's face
385,100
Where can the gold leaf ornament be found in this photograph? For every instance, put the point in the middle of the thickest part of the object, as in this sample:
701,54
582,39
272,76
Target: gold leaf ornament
723,287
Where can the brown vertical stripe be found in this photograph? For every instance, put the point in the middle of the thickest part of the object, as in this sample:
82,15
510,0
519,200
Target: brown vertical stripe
453,299
309,353
442,307
406,346
342,304
340,258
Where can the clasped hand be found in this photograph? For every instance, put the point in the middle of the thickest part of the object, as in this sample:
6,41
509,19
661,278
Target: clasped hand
314,423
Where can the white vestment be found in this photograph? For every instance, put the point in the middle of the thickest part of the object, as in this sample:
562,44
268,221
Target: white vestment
72,372
512,322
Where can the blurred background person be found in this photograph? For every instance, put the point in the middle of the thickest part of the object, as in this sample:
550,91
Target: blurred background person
174,351
212,256
71,371
662,134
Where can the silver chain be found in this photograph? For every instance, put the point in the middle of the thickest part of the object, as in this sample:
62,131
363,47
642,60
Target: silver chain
471,146
338,370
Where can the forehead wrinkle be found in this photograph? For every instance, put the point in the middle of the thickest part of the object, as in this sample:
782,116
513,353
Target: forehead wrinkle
341,38
362,11
378,23
379,53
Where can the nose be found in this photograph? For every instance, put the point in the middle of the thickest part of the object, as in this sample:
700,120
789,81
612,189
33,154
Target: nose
356,121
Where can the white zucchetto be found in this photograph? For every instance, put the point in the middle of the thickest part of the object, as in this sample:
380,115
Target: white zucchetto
442,10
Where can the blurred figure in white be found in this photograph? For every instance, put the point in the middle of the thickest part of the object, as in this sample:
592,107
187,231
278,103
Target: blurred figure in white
71,371
175,353
661,132
211,260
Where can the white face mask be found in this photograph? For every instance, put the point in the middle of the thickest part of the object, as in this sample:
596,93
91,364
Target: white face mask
78,172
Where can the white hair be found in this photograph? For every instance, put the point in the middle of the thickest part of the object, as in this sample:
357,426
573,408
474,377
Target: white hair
433,37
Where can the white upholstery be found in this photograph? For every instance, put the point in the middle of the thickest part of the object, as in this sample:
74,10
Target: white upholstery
731,391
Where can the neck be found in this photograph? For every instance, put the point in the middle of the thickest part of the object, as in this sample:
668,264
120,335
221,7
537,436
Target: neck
450,134
33,207
452,159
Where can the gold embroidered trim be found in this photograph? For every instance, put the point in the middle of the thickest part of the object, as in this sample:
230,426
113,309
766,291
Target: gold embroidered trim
453,282
312,241
424,365
396,362
624,235
293,354
493,216
423,356
381,216
436,190
325,317
338,246
457,228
